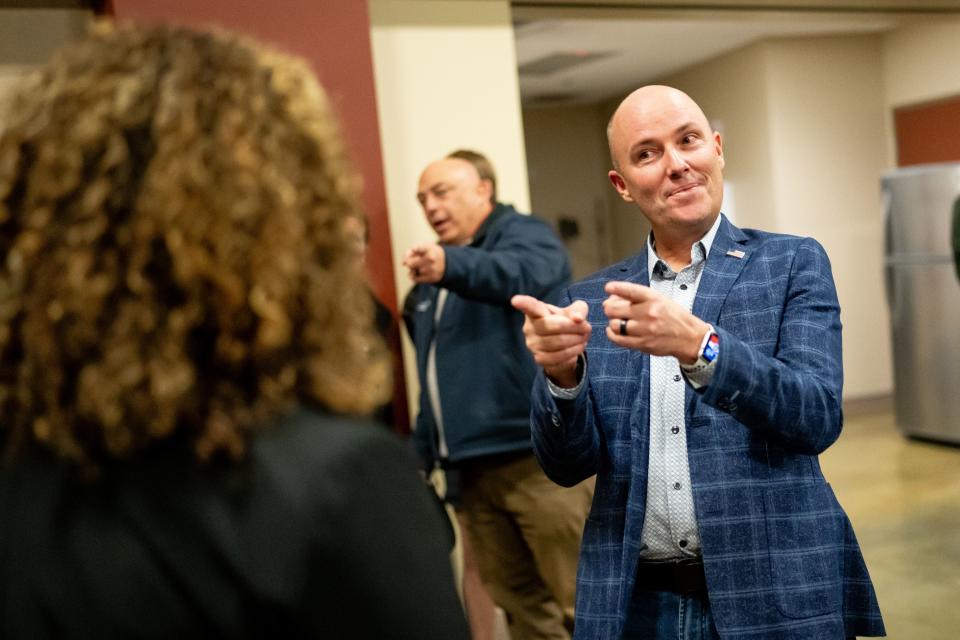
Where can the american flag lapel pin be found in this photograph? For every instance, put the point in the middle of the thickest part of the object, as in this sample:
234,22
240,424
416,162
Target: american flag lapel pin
736,253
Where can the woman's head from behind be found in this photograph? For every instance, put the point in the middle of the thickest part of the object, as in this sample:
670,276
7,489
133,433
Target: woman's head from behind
175,260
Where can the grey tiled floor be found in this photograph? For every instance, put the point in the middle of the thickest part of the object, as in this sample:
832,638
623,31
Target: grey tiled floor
903,497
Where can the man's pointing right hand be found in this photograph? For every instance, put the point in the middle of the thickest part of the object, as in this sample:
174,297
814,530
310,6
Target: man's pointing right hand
555,336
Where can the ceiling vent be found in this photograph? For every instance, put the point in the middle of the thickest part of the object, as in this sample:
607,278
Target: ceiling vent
560,62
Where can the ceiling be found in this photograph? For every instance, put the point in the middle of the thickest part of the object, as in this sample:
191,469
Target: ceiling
611,52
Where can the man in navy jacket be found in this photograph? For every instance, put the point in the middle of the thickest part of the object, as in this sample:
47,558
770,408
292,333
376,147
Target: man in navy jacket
699,380
475,379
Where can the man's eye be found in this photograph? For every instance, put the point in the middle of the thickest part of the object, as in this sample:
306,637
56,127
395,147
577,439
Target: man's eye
688,138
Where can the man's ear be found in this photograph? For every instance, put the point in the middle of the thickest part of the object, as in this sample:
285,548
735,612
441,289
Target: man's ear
485,189
718,145
620,185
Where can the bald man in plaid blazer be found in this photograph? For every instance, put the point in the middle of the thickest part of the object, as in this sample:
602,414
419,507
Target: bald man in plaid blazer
699,380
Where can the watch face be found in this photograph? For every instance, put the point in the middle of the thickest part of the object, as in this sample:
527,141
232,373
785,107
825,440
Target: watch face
712,348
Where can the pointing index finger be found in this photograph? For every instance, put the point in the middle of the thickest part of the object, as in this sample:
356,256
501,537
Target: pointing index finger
577,311
530,307
630,291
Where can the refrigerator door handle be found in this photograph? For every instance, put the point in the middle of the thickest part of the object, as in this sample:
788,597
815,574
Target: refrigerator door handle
955,235
888,250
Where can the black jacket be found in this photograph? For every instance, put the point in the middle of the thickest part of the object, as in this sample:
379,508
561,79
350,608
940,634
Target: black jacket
484,369
326,531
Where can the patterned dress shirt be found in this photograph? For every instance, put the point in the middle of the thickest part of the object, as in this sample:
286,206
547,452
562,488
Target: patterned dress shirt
670,526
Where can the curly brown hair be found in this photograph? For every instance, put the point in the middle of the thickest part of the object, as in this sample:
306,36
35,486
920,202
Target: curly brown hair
174,258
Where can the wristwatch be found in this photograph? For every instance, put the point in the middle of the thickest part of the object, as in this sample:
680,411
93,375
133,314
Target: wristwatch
709,350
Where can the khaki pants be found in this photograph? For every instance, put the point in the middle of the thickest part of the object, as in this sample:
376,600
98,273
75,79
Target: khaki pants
525,531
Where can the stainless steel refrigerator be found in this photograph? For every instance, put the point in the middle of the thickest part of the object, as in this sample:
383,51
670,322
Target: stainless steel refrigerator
922,264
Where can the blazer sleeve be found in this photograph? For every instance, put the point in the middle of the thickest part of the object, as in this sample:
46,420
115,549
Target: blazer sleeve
795,395
566,438
566,441
527,258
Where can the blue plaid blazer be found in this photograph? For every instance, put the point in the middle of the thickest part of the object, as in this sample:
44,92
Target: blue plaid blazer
780,556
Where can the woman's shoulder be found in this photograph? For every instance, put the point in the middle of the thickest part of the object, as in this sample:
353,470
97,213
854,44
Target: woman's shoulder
323,457
314,436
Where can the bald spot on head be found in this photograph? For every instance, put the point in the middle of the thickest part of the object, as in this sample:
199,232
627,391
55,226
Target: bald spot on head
642,105
450,168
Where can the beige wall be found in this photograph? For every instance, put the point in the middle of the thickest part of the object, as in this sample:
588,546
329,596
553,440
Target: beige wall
807,127
10,76
920,62
803,128
919,65
733,91
742,117
446,77
28,37
567,162
629,229
827,124
803,122
804,140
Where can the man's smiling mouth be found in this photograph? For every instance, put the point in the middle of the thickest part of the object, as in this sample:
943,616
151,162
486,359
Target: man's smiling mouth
684,189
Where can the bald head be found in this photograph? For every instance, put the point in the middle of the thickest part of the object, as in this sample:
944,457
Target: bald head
455,198
669,163
648,105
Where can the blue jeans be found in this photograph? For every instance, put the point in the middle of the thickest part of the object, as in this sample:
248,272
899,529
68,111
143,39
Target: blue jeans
662,615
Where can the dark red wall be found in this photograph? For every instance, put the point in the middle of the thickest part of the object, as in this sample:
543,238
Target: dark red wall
334,36
928,132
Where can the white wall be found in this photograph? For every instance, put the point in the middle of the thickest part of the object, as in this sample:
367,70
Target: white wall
446,77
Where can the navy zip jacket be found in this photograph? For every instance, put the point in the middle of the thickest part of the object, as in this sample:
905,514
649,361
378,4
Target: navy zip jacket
484,370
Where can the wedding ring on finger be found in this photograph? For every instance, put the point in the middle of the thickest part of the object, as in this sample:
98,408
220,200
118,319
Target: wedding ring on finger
623,327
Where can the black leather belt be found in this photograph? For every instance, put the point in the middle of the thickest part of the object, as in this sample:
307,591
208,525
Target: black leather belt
684,576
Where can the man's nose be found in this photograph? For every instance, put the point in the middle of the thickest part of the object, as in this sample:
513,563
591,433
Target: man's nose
429,203
676,162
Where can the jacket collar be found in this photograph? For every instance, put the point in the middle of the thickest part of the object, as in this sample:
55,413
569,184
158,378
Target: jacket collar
499,210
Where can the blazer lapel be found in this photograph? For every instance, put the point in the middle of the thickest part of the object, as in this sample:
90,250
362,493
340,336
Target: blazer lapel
638,444
728,255
637,273
634,271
